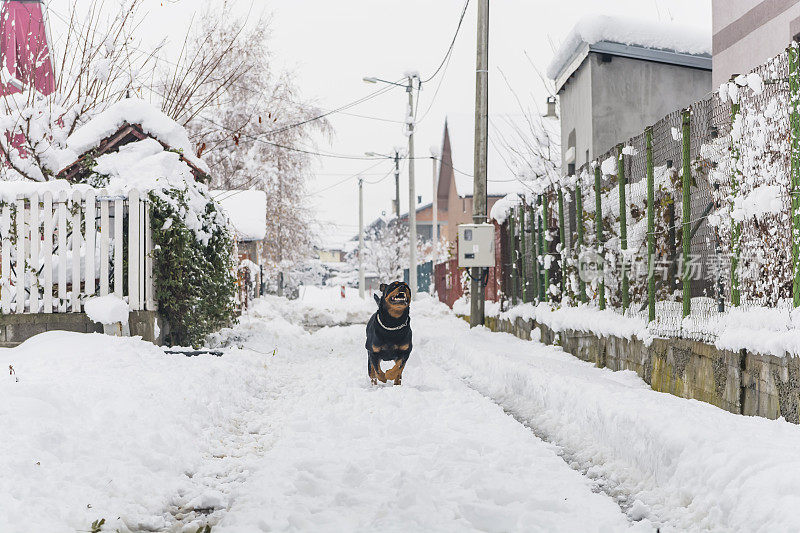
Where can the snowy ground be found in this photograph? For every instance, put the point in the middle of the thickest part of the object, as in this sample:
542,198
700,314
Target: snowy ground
284,432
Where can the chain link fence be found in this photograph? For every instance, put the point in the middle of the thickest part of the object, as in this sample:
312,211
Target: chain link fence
694,215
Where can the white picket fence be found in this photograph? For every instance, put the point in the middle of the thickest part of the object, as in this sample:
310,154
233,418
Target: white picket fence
57,252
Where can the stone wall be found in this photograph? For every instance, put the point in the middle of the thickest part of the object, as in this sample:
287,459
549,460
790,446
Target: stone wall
740,382
15,329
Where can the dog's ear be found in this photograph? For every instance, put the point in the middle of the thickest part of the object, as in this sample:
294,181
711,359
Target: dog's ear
377,300
383,287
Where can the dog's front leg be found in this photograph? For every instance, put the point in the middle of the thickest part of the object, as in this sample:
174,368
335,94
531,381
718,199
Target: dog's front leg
375,369
396,372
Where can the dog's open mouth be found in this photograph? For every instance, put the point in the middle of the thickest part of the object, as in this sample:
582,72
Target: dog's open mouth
397,298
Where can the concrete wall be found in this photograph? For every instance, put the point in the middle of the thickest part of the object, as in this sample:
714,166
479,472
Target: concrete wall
630,94
740,382
748,32
15,329
576,114
609,102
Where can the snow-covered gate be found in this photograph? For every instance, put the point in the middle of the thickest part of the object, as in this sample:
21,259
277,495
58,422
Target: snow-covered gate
59,249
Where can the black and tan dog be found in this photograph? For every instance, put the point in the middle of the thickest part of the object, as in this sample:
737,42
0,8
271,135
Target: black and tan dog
389,333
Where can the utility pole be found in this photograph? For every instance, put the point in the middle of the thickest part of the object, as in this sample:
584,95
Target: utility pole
361,282
477,289
397,183
435,202
412,195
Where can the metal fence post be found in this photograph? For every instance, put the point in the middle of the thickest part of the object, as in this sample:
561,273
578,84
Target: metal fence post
598,222
523,255
562,237
545,252
651,226
539,249
534,262
512,256
736,227
794,120
623,225
579,243
687,210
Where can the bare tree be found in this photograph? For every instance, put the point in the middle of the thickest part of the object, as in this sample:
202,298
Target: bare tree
248,122
529,144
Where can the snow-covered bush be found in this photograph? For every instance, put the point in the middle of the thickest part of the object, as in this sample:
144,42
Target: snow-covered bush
194,268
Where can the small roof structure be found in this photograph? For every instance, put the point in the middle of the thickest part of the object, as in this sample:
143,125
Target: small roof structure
128,121
247,212
627,37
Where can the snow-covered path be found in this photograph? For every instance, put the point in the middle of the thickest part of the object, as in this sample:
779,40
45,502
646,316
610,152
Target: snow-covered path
432,455
284,432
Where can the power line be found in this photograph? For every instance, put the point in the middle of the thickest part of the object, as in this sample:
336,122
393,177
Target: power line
351,176
391,171
452,43
291,148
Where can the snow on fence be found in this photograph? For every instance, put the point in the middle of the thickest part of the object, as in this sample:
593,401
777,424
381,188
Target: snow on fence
694,218
59,249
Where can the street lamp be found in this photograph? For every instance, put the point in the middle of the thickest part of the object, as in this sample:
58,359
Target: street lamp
412,196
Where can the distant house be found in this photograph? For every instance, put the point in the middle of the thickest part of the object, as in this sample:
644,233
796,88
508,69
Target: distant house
330,254
748,32
454,186
247,211
616,76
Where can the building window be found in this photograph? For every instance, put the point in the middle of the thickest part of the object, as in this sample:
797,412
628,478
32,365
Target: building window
463,205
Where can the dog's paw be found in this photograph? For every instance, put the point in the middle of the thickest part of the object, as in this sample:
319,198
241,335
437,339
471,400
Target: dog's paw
374,381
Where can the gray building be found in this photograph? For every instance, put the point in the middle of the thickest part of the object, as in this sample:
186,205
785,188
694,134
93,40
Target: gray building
748,32
614,77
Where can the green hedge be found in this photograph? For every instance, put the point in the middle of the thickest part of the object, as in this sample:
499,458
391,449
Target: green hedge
195,281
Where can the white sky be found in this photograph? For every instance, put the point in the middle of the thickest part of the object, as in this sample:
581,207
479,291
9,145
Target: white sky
331,45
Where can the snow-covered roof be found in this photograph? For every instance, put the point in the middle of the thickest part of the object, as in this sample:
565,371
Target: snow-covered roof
144,165
134,111
667,42
502,172
247,211
503,206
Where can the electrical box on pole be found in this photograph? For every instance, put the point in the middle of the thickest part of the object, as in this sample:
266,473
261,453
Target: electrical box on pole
475,245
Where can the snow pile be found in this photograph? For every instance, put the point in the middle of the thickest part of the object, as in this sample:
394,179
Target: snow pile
107,309
763,330
584,318
762,200
134,111
609,166
503,207
682,464
112,427
247,212
144,165
592,29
